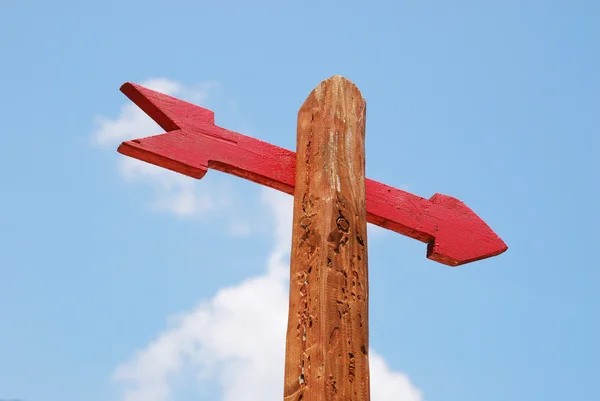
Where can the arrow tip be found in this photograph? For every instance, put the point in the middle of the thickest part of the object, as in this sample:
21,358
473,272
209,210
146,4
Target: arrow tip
462,236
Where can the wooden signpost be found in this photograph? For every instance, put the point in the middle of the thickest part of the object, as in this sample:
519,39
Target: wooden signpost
327,336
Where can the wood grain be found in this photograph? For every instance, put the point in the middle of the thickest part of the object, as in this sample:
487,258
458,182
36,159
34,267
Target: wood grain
327,336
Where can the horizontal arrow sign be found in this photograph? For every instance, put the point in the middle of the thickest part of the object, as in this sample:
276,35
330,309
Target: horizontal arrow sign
193,143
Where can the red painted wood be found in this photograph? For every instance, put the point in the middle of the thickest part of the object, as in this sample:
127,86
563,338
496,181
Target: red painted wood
193,143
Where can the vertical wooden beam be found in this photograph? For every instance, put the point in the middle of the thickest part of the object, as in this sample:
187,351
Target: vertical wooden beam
327,336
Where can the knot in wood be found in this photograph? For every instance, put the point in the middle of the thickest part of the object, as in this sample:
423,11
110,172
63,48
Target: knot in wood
305,222
343,224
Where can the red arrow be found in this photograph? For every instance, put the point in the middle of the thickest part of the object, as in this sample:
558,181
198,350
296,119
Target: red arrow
193,143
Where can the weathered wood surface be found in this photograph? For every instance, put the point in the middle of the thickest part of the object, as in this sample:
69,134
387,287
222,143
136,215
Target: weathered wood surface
327,336
454,233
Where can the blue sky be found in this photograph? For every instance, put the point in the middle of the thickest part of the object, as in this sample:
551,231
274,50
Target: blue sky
125,283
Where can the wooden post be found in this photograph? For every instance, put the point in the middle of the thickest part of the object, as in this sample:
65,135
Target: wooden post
327,336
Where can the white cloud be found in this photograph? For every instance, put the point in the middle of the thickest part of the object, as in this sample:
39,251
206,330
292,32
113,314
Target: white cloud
240,229
237,339
132,122
172,192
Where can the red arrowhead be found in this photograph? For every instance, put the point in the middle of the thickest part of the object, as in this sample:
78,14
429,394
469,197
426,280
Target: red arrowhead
193,144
